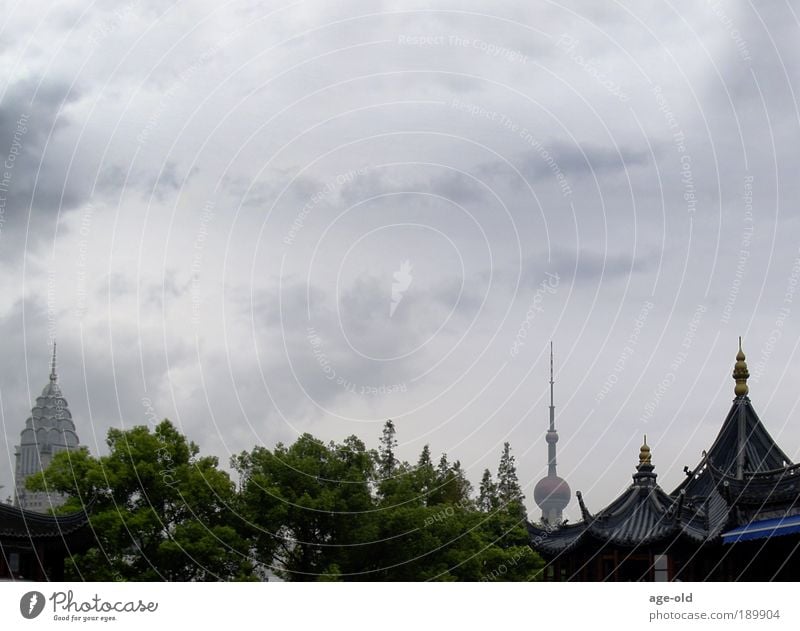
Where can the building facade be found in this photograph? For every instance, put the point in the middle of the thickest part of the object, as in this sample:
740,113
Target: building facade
48,430
736,516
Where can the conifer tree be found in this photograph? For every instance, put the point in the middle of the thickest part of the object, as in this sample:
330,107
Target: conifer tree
443,467
425,476
487,493
509,492
386,457
440,492
425,458
462,488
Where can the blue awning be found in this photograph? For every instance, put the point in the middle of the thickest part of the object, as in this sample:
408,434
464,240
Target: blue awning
763,529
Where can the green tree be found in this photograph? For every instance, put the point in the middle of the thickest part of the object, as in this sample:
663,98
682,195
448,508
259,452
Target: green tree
425,458
462,487
446,538
310,506
443,468
451,486
387,459
509,492
451,543
159,510
324,512
424,476
487,494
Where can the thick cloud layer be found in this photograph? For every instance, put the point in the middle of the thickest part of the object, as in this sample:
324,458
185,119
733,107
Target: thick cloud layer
314,216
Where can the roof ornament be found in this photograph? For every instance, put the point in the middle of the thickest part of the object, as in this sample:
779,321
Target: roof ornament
740,373
680,501
587,516
53,375
644,453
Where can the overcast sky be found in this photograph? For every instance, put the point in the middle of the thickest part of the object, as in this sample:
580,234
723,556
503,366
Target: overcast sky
263,219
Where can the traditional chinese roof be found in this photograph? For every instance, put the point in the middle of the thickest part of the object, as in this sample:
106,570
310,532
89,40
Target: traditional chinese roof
760,490
22,524
743,475
643,514
743,447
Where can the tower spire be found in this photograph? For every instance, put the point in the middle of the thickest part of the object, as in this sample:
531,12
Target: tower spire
552,434
53,375
551,493
552,405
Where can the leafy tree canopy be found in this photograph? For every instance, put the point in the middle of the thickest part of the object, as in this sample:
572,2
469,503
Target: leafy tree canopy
307,511
329,512
158,510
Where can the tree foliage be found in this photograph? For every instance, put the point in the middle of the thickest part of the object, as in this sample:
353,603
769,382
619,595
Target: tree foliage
309,505
158,510
487,493
306,511
342,512
509,492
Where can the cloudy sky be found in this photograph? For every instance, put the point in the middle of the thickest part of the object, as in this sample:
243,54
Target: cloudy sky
263,219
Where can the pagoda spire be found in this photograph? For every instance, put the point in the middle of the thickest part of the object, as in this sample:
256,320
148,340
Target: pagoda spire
53,375
644,453
740,373
645,476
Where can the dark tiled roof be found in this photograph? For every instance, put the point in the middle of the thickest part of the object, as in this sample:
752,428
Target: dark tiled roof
700,507
18,523
779,486
741,426
641,515
556,540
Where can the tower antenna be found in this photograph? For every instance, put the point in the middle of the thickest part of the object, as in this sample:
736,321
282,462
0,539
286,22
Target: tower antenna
53,375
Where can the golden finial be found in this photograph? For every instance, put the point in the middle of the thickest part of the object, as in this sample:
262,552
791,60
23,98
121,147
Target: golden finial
644,452
740,373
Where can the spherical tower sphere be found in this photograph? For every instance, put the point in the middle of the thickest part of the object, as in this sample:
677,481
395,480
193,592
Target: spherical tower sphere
551,437
552,492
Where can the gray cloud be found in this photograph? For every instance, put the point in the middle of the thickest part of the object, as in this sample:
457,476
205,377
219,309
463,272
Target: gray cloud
194,313
573,161
36,161
160,182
